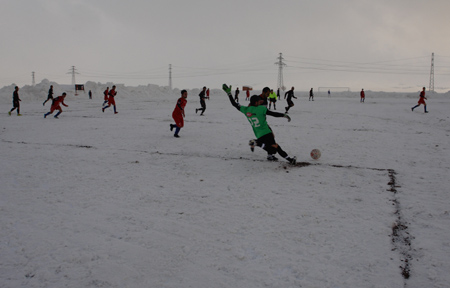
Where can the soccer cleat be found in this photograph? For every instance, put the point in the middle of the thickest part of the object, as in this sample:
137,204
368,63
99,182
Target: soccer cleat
9,113
412,109
21,114
56,117
292,160
171,127
272,158
116,112
176,136
45,116
196,110
103,110
252,144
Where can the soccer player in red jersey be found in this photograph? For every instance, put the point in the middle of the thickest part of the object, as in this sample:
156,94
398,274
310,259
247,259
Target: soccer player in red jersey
421,101
178,113
56,105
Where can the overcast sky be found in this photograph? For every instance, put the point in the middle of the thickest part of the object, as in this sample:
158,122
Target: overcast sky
373,44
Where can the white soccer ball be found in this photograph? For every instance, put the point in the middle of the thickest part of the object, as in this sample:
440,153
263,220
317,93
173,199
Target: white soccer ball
315,154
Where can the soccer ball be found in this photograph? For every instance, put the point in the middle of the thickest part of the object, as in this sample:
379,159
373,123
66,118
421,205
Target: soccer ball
315,154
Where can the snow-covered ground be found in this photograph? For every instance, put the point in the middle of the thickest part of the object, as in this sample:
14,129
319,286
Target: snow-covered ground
101,200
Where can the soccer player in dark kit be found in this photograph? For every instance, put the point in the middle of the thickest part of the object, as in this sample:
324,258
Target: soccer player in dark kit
16,102
202,102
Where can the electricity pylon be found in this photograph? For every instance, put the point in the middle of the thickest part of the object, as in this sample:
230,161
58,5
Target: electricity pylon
280,63
431,87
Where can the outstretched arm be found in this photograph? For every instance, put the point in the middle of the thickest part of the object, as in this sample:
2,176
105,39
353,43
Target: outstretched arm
228,91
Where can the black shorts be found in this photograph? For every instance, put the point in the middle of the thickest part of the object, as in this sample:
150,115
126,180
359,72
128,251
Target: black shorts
268,140
16,104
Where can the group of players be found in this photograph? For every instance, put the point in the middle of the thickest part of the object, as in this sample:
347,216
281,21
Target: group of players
59,100
255,112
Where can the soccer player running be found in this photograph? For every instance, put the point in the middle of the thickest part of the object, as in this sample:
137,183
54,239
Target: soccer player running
202,102
289,95
256,115
49,96
105,96
112,93
55,105
421,101
178,113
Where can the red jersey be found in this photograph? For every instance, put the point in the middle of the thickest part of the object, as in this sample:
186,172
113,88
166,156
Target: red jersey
178,112
106,93
58,100
422,98
179,108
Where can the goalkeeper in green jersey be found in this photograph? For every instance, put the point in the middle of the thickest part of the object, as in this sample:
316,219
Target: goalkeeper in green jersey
256,115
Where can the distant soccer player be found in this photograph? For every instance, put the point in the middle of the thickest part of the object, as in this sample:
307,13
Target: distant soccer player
363,96
289,95
202,102
256,114
56,105
236,95
273,99
49,96
178,113
105,96
112,93
311,95
421,101
16,102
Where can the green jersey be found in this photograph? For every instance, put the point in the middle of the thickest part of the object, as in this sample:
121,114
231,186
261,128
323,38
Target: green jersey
257,118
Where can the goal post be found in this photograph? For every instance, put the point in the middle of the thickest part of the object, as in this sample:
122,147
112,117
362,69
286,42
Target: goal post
333,89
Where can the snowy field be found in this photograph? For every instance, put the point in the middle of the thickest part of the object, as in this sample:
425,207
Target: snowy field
95,199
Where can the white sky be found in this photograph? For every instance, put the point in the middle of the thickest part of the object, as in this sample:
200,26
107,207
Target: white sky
376,45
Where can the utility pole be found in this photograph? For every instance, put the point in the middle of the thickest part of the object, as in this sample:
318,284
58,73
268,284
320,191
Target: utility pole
431,86
170,76
73,72
33,82
280,64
